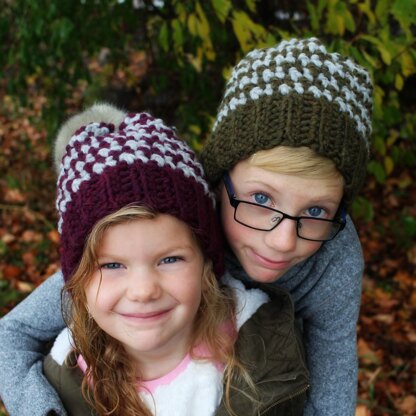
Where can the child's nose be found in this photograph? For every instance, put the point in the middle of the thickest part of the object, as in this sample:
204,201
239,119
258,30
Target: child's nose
143,286
283,237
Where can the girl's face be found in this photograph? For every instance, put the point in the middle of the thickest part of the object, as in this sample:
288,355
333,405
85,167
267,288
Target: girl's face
267,255
147,290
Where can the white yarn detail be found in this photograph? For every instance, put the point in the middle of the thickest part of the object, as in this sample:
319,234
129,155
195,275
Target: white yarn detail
75,166
247,300
294,74
62,346
286,78
284,89
267,75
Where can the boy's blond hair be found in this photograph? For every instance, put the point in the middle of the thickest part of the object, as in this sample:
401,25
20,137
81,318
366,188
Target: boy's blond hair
296,161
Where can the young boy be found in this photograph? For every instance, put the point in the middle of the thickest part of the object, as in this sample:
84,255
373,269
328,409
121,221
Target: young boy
288,152
289,147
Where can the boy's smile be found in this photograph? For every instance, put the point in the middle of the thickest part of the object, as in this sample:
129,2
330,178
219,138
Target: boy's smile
267,255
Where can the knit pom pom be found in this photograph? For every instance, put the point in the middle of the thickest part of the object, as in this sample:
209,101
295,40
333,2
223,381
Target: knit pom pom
101,112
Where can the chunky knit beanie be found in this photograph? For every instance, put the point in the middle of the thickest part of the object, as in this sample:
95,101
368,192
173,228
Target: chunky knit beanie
108,159
294,94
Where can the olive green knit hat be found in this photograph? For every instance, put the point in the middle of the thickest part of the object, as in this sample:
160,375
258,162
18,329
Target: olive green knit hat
294,94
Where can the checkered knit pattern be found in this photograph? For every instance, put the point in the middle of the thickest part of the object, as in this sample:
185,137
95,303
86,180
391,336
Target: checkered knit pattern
140,161
294,94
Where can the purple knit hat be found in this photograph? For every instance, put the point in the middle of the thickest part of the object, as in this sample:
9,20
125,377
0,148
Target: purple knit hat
115,159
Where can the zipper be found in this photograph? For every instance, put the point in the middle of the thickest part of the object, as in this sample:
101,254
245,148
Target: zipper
291,396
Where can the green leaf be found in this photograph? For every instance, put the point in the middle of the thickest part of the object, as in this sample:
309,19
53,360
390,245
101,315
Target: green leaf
204,30
388,165
203,26
409,223
379,145
367,9
221,8
181,12
322,5
370,59
177,34
193,24
377,169
362,208
251,4
313,15
339,18
399,82
408,64
348,18
382,11
405,12
248,33
393,136
381,47
164,37
239,22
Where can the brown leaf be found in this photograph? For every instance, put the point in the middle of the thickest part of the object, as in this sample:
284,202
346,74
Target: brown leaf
14,195
366,354
53,235
404,278
24,287
407,405
384,318
11,271
411,255
8,238
413,298
29,258
362,410
30,236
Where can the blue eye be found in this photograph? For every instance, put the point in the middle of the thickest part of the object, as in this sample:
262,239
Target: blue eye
110,266
261,199
316,212
170,260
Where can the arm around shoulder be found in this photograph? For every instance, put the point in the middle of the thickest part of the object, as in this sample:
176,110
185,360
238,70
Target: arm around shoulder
330,330
24,333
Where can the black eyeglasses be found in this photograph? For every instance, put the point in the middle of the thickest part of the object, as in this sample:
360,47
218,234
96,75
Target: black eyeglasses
262,218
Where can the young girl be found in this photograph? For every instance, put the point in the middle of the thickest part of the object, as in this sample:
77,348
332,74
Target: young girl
288,154
152,331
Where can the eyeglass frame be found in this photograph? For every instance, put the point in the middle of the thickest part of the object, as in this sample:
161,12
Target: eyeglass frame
339,218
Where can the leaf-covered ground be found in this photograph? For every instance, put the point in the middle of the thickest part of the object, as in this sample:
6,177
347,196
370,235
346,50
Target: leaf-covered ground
386,332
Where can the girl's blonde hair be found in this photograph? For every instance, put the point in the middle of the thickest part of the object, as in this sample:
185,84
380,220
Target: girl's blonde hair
110,382
297,161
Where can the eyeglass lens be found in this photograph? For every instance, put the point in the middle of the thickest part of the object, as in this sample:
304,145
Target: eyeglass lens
263,218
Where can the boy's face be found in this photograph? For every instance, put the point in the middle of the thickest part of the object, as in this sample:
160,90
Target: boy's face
267,255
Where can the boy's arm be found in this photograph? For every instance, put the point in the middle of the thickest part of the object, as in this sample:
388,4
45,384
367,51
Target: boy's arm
332,361
330,328
24,333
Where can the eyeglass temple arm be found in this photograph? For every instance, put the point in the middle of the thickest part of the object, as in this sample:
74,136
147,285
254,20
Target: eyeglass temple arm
343,215
229,187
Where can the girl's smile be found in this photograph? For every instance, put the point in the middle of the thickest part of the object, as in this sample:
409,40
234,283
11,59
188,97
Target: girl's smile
146,317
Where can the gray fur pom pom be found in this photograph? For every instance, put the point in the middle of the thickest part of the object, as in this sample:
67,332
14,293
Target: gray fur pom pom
100,112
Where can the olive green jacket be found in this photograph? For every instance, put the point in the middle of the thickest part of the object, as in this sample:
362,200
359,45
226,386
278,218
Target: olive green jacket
269,347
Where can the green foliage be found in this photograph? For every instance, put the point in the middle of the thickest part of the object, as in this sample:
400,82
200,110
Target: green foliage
191,47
